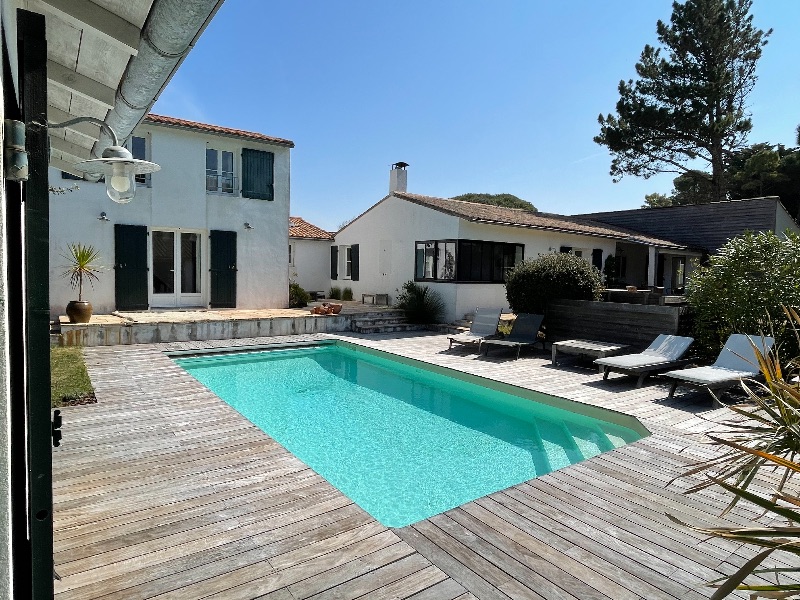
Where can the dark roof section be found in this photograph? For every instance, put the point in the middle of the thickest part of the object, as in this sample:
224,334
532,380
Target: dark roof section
216,129
301,229
706,226
515,217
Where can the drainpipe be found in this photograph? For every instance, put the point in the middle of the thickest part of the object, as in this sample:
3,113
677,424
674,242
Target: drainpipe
170,32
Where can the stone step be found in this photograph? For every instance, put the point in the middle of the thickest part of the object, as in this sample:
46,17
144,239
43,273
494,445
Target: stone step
378,320
391,328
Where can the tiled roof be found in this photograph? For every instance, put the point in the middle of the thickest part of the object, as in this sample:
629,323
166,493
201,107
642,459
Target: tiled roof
515,217
182,123
300,228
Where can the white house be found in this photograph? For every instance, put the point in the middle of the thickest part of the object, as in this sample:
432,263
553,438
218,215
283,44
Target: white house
309,253
463,250
210,229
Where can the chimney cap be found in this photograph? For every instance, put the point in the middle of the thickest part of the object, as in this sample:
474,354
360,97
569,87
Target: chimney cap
399,165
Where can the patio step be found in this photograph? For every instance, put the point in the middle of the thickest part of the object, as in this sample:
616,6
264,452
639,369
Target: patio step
384,322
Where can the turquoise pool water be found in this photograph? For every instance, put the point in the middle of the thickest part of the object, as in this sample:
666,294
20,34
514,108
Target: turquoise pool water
403,442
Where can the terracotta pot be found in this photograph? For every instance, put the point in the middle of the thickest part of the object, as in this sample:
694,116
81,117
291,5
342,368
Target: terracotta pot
335,308
79,311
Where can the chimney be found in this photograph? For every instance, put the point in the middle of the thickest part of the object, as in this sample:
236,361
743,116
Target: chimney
398,177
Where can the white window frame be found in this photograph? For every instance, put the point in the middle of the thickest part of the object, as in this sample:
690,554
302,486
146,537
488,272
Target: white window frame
219,173
345,262
143,179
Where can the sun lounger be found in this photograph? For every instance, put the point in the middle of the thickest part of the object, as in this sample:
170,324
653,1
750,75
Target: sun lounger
736,361
664,353
524,332
484,324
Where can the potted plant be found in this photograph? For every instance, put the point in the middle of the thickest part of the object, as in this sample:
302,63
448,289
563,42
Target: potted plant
82,263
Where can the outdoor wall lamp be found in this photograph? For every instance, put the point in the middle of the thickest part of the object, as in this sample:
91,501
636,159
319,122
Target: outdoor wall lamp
248,226
103,217
117,164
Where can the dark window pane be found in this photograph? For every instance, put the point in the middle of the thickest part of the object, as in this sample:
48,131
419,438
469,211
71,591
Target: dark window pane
138,148
163,262
419,261
212,184
446,261
190,263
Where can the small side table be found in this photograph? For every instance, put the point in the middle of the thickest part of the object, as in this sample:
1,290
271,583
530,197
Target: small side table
587,348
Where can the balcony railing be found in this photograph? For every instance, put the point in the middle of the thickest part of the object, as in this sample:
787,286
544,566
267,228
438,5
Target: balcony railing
225,183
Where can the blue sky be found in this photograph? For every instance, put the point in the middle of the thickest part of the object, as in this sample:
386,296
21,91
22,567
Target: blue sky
477,96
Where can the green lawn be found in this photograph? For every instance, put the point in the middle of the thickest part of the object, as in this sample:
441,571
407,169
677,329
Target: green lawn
68,376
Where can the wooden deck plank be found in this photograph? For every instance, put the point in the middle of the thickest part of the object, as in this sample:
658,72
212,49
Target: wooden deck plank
162,490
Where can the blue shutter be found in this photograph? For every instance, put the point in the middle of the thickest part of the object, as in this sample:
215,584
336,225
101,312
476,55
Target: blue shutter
258,176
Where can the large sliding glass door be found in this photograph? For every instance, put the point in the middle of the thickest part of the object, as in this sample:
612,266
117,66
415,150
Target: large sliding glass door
176,275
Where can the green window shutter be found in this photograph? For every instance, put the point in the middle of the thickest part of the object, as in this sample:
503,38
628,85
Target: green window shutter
334,262
258,174
354,262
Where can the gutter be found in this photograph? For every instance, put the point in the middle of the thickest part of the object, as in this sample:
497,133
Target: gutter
170,32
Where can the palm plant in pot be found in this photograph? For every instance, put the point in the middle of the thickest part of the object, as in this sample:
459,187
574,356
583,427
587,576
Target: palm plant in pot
82,263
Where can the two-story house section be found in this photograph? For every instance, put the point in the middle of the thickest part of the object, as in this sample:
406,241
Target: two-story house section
208,230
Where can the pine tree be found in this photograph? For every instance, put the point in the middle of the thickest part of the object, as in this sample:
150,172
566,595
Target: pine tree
691,105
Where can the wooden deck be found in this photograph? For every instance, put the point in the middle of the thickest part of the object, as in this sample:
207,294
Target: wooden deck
162,490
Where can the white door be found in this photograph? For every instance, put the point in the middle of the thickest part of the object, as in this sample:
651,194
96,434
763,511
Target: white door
385,266
175,268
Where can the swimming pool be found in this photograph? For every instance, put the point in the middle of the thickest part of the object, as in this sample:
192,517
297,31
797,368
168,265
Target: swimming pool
403,439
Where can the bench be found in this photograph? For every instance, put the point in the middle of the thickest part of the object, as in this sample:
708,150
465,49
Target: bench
375,299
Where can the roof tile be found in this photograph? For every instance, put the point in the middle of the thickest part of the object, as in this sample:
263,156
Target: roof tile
174,122
516,217
300,228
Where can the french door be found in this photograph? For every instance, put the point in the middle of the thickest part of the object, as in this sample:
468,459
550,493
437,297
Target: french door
175,272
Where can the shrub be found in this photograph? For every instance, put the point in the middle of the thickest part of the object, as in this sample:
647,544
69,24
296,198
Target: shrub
335,293
347,293
298,297
742,290
420,303
534,283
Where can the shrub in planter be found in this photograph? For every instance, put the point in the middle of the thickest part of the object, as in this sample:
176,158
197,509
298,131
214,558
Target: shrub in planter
335,293
298,297
421,304
743,288
347,293
533,283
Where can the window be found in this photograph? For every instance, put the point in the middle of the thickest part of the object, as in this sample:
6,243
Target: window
465,260
258,177
219,171
138,147
291,254
65,175
348,261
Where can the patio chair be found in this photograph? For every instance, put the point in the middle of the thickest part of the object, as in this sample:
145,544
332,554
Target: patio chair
664,353
524,332
484,324
736,360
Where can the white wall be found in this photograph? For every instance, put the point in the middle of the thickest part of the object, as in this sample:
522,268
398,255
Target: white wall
784,221
386,236
311,264
178,199
394,226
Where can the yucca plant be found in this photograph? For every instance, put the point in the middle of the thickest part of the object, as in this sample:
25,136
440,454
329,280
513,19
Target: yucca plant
82,263
421,304
763,435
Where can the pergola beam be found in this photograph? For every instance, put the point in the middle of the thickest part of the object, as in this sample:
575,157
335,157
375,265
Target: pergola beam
56,115
84,13
80,84
62,145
